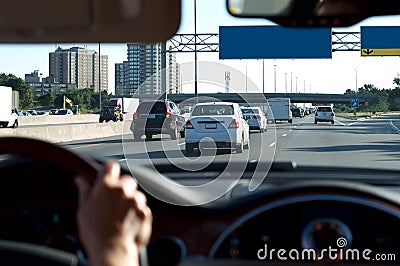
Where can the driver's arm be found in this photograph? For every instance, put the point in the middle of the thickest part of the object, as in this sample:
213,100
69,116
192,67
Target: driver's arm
114,220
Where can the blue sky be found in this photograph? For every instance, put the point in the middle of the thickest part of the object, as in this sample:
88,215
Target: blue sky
319,75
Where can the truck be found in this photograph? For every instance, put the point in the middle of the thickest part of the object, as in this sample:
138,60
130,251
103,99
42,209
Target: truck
279,110
126,105
8,114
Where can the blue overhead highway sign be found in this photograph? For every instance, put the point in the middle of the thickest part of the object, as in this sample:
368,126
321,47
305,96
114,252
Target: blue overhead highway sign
274,42
380,41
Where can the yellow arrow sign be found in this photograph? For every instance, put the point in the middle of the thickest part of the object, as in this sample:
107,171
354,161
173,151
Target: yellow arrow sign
380,52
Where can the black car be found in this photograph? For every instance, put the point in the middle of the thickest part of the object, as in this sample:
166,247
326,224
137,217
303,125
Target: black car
110,113
296,112
156,117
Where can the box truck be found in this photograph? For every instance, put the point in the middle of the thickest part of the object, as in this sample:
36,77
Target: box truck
126,105
279,110
8,114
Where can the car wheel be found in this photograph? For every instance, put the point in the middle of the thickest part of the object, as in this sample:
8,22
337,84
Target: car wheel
189,148
247,145
332,122
115,119
239,147
291,121
182,133
315,122
121,118
101,120
15,125
137,135
149,136
174,133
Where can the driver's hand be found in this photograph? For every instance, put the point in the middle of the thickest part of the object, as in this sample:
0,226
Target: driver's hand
114,220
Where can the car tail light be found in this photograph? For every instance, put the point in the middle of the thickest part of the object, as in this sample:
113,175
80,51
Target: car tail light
168,115
189,125
258,117
234,124
135,115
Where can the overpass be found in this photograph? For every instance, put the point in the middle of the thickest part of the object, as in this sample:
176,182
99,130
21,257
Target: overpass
260,97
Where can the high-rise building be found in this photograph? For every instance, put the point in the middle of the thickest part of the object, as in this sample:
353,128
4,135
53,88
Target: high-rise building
79,66
119,79
142,73
173,74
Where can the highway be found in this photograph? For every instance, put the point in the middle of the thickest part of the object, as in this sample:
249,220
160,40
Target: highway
349,143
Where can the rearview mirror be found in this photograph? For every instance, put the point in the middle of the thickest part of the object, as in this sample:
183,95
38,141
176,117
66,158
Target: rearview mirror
309,13
88,21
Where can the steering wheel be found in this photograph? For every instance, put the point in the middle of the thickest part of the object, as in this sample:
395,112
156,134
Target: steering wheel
18,253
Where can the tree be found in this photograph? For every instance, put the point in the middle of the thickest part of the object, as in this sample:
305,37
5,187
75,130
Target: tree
25,98
46,100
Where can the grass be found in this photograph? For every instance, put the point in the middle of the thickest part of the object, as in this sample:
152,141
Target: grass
359,114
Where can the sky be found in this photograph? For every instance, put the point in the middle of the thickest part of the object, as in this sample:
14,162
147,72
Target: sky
344,71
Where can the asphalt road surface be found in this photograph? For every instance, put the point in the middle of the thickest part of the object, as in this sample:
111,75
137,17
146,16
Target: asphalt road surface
373,143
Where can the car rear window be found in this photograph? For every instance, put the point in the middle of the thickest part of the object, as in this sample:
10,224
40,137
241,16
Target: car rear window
205,110
250,111
324,109
152,108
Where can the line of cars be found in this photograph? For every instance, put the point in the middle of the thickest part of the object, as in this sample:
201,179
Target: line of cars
323,113
210,124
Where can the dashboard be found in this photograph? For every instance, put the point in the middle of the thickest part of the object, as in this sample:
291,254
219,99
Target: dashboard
38,204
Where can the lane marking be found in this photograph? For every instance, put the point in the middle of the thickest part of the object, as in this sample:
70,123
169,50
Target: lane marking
180,144
284,135
121,160
394,127
290,130
343,124
84,146
272,144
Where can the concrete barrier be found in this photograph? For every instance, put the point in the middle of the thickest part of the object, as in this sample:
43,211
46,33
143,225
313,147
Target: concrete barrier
62,119
58,119
65,133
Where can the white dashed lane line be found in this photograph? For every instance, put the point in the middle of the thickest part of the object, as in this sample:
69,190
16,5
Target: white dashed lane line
395,128
272,144
284,135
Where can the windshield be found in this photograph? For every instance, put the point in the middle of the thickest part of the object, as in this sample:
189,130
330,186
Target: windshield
250,111
152,108
362,90
324,109
207,110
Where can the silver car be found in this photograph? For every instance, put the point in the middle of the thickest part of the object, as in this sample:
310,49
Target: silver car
255,118
217,124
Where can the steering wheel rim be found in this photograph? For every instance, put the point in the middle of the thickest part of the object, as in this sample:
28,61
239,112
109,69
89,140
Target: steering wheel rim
67,159
45,151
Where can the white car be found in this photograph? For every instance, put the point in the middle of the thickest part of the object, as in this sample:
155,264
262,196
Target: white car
324,114
255,118
218,123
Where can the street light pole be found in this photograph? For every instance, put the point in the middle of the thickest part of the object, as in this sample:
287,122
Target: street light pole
275,78
195,50
356,80
246,79
99,78
263,69
285,82
291,82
